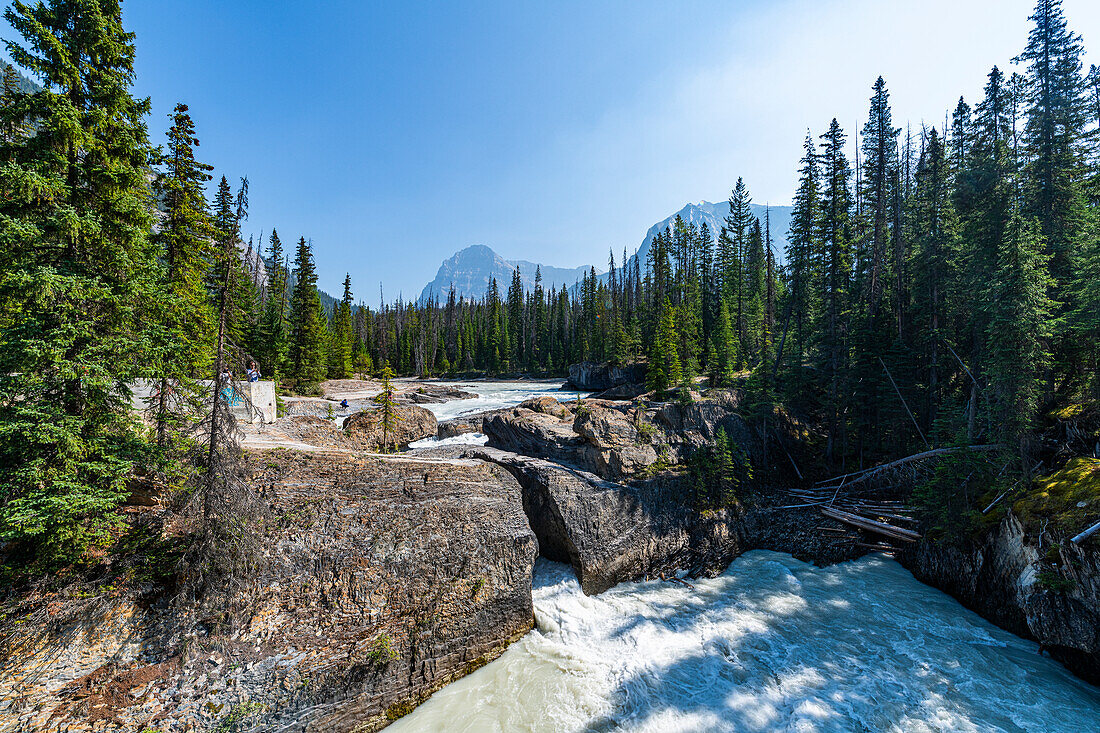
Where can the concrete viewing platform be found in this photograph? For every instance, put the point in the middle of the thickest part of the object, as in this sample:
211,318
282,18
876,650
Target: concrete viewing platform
250,402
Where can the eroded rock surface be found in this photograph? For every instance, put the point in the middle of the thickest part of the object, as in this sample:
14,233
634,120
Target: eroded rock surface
384,578
999,577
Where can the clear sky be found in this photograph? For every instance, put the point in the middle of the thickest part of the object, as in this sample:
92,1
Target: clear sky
395,134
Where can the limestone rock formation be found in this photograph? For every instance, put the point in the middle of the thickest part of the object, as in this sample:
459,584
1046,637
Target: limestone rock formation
589,375
525,431
612,532
997,576
382,579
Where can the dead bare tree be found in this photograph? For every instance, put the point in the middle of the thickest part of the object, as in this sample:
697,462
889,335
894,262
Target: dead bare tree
227,514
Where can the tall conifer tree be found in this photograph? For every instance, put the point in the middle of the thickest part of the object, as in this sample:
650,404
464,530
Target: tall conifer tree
78,275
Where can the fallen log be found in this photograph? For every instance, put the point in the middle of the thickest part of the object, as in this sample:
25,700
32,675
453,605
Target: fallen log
1086,534
887,530
851,478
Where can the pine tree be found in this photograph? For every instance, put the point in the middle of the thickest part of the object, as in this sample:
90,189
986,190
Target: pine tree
879,160
515,319
756,284
733,248
725,346
1055,134
539,322
986,191
341,338
664,371
936,266
79,275
833,330
229,211
388,408
307,357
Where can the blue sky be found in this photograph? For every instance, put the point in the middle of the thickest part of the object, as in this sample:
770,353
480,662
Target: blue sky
394,135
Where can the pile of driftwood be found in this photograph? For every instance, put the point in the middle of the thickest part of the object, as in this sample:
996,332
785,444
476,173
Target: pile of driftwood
866,500
878,515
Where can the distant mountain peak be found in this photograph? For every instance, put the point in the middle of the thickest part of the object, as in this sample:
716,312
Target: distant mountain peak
470,269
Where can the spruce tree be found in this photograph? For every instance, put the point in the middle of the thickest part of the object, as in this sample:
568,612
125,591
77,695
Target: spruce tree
229,211
803,250
515,319
307,328
833,329
185,312
664,370
879,161
341,337
388,408
725,346
733,248
1055,134
273,341
1018,332
936,265
756,284
78,277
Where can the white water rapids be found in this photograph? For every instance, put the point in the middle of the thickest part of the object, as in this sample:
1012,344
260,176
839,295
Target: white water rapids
490,396
773,644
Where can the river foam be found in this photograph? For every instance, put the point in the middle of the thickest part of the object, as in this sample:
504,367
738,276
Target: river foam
773,644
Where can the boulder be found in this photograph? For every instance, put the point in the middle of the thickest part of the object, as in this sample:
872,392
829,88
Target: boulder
525,431
411,423
456,427
616,449
590,376
695,424
546,405
309,406
316,431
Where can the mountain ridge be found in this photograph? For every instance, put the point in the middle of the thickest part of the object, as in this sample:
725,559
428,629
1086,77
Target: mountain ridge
469,269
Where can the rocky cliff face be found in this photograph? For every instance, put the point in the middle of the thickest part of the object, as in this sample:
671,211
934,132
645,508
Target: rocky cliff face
611,532
593,377
383,580
1001,577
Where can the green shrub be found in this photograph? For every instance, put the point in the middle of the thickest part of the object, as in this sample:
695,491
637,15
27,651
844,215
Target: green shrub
646,432
1053,580
381,651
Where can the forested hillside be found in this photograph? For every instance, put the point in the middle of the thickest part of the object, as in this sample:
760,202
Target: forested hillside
937,287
